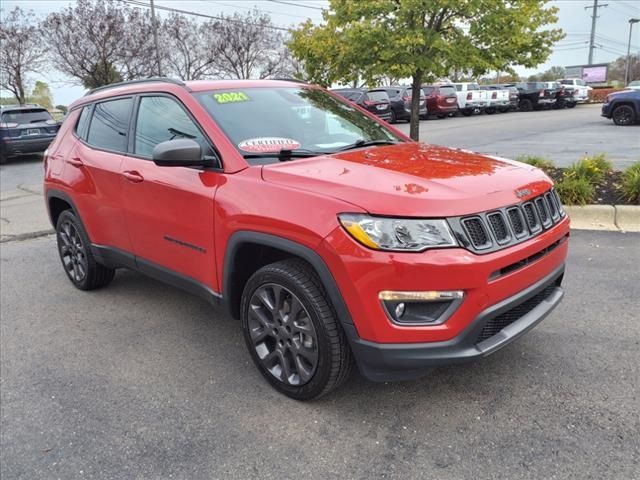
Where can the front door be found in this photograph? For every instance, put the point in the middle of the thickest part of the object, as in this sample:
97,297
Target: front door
169,210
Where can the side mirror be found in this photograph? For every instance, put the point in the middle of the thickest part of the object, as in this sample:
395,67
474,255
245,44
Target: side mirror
180,152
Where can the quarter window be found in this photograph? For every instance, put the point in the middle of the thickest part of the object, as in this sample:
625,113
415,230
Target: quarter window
109,125
161,119
83,123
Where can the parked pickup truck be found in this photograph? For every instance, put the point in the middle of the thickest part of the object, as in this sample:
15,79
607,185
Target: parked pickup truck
580,88
498,99
470,98
565,95
535,96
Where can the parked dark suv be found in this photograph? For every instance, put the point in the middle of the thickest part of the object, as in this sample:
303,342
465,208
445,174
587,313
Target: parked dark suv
24,130
377,102
441,100
400,98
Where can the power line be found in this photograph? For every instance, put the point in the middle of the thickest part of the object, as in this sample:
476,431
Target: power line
254,8
139,3
295,4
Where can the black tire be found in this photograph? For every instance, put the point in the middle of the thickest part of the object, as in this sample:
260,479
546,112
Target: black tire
623,115
442,116
525,105
76,257
571,104
467,112
394,117
503,109
490,110
275,341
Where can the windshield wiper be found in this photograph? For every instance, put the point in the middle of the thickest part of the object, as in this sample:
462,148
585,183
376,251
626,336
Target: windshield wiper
177,133
367,143
285,154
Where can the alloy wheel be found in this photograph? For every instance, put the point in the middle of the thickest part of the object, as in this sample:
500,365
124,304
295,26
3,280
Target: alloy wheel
283,334
623,115
72,252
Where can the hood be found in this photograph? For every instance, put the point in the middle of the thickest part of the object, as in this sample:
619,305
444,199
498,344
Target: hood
413,179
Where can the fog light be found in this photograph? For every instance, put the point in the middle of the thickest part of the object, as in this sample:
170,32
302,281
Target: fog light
421,307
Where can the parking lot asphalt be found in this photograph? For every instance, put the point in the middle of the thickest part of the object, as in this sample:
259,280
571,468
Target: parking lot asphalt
563,136
140,380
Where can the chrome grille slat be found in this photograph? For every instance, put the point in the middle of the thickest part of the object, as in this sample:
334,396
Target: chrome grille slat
496,229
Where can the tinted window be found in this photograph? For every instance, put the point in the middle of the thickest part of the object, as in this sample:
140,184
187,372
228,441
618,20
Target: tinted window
566,82
109,125
473,86
161,119
458,87
392,92
22,117
428,90
83,123
378,96
353,96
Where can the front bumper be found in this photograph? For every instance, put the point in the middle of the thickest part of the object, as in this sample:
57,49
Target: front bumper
11,147
606,110
406,361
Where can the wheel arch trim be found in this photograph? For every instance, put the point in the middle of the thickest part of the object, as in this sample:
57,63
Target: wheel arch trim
245,237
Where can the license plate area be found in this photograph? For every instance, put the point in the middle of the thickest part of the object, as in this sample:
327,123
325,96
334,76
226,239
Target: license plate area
33,131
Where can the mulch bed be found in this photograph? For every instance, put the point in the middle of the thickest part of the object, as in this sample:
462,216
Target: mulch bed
607,193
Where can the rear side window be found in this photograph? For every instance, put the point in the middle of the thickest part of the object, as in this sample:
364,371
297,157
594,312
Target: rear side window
473,86
161,119
109,125
83,122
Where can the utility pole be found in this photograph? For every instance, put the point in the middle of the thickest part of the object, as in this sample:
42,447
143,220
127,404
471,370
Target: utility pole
594,19
155,37
628,62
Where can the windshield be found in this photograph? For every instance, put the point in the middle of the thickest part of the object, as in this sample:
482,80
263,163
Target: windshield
22,117
267,120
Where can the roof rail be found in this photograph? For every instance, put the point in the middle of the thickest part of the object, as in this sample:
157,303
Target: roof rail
133,82
288,79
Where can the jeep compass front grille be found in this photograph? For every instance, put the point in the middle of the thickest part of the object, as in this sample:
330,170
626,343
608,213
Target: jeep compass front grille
490,231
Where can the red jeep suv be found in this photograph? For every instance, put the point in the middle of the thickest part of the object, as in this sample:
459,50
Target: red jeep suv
334,238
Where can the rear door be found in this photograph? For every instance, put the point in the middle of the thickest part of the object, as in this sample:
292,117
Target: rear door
169,210
92,168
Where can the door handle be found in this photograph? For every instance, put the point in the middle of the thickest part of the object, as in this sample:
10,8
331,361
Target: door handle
75,161
133,176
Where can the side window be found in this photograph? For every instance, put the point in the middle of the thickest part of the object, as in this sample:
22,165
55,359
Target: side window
83,122
161,119
109,125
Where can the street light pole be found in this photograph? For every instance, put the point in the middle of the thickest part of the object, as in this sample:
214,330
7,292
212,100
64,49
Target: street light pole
626,68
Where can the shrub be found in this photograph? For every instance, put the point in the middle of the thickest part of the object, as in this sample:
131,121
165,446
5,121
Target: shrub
592,169
575,190
599,95
542,163
630,186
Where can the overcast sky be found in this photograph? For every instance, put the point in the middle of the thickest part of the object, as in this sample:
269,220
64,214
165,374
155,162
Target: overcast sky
612,32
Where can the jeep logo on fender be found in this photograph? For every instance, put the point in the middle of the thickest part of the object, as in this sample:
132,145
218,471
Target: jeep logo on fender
523,192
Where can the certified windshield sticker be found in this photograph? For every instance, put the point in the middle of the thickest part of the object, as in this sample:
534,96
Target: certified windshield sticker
268,144
231,97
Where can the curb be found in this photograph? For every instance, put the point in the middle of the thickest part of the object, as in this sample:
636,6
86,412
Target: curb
613,218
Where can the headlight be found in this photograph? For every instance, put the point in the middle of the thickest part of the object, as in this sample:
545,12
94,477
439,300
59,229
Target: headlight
399,234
